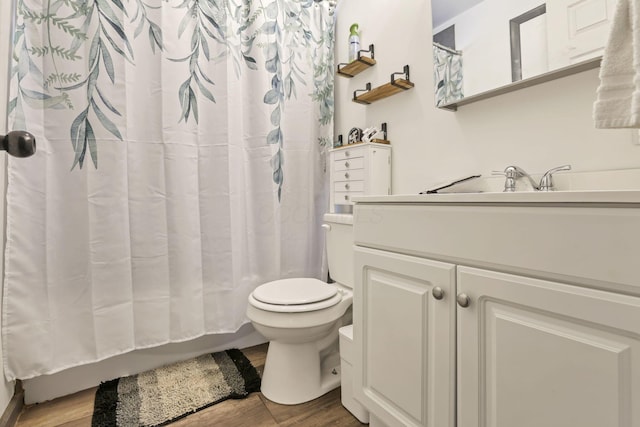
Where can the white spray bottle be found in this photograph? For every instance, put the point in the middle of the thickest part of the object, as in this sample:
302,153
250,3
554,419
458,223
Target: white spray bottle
354,42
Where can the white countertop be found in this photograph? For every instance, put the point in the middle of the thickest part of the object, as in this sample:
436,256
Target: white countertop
554,197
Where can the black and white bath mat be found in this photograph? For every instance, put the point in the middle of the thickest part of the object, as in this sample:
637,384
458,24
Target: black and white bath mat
161,396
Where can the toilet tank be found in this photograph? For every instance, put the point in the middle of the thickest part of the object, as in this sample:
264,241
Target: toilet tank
339,238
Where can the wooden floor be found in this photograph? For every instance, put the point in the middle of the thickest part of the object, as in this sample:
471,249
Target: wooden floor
254,411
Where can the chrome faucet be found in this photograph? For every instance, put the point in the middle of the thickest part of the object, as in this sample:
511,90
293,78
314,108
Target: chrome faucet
546,182
512,173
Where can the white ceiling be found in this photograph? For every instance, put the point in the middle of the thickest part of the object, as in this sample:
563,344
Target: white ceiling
443,10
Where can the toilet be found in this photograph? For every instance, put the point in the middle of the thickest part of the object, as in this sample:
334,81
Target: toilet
300,317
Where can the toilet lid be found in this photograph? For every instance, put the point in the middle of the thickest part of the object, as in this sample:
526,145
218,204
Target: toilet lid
294,292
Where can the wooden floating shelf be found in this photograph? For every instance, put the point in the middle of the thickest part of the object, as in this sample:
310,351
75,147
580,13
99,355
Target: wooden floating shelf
394,86
383,91
358,65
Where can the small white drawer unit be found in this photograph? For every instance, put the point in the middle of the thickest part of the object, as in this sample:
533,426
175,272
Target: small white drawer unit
358,170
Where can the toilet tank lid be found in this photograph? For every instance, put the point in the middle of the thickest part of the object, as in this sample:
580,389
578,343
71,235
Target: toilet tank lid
294,291
338,218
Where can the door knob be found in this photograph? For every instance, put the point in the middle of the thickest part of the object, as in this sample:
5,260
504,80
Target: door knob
18,143
463,300
438,293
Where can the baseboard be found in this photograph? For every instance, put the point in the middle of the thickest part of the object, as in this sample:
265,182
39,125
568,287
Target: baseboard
10,415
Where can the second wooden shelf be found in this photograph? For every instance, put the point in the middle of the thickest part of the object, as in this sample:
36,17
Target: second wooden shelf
384,91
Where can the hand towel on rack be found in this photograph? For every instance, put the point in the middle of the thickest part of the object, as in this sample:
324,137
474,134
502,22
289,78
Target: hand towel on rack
618,96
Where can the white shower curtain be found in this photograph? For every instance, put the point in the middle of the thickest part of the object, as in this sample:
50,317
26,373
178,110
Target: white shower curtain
180,163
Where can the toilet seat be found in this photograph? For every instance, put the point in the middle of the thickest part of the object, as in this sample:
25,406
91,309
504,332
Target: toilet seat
295,295
294,291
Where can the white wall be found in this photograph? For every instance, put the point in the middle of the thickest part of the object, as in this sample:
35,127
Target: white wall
6,388
535,128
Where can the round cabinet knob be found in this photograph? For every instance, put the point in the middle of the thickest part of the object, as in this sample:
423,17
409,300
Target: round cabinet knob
438,293
346,186
346,197
346,164
346,154
346,175
463,300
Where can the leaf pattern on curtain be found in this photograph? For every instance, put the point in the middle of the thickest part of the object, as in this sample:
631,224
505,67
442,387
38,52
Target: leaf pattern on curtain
447,76
286,25
201,16
215,29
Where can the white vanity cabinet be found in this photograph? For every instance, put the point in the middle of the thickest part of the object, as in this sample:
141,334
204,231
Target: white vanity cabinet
537,353
541,298
358,170
407,338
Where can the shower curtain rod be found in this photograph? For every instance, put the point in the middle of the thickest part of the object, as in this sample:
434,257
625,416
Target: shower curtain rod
448,49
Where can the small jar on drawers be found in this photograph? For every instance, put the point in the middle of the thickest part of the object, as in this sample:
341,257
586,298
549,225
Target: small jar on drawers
358,170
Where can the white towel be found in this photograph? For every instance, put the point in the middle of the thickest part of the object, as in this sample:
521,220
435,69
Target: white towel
618,101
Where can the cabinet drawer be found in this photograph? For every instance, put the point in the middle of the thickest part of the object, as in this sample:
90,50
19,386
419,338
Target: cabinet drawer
346,164
348,186
348,153
350,175
342,197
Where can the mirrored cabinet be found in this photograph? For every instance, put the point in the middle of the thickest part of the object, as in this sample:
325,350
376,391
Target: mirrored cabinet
485,48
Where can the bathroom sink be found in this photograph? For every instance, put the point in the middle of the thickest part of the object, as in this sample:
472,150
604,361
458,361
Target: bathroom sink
546,197
556,234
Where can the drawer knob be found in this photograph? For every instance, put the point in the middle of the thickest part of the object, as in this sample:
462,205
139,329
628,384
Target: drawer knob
346,186
346,197
346,175
463,300
346,164
346,154
438,293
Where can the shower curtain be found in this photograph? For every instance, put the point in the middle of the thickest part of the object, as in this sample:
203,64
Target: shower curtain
447,75
180,163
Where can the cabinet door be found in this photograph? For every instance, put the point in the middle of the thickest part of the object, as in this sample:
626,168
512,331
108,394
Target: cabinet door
404,338
534,353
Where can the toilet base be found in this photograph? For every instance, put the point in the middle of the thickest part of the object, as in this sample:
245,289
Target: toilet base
298,373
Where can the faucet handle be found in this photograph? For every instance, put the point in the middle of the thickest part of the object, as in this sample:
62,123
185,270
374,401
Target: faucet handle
546,182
